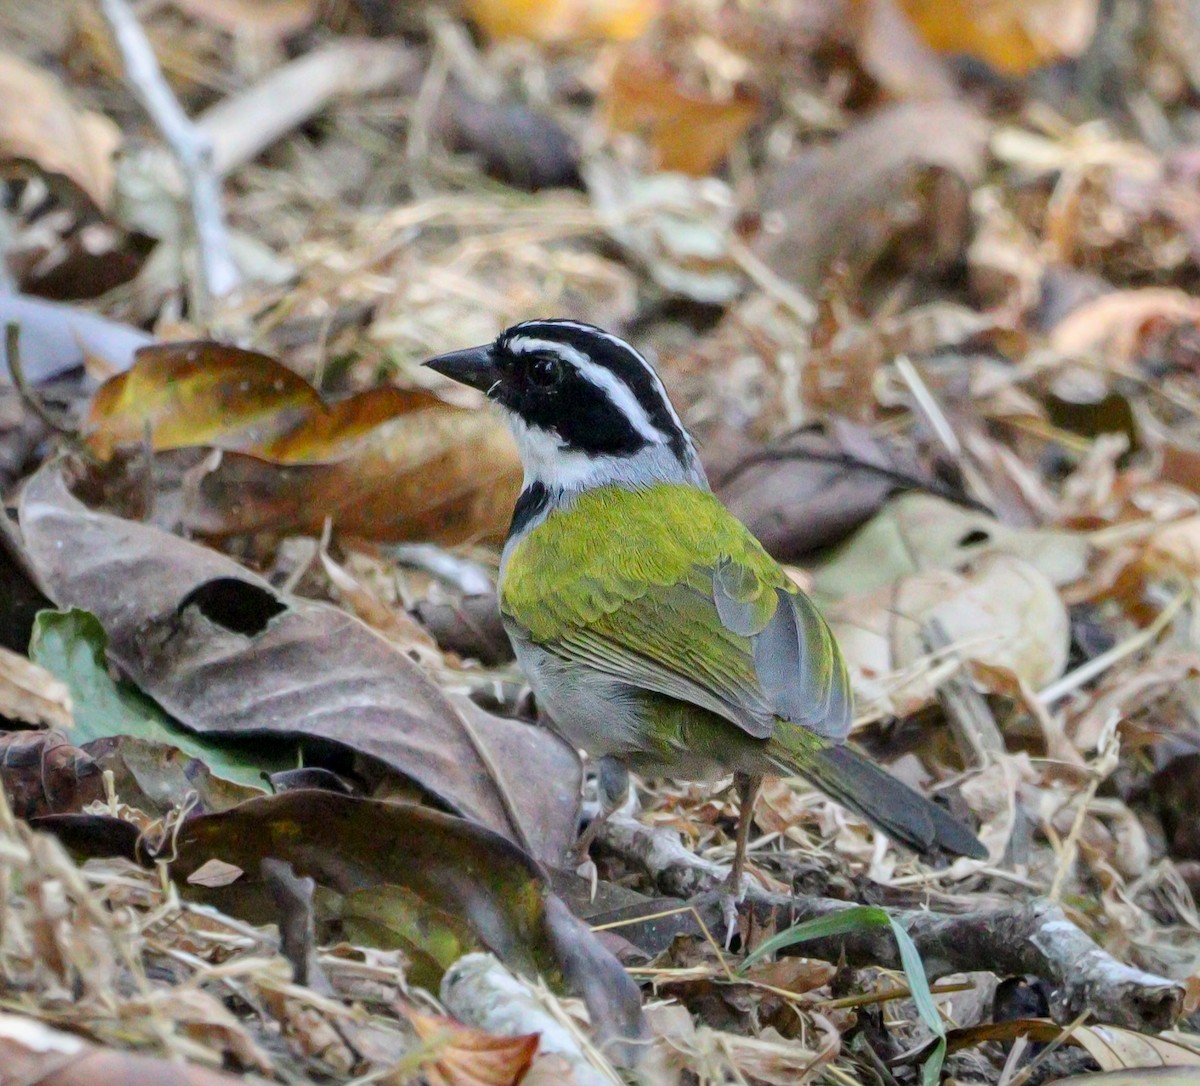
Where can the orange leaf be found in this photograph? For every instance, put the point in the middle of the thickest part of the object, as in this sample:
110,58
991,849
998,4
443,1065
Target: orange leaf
462,1056
687,132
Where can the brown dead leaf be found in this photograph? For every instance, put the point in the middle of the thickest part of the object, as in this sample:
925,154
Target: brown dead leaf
41,126
41,773
563,20
793,974
30,693
289,666
387,463
459,1055
686,131
1014,36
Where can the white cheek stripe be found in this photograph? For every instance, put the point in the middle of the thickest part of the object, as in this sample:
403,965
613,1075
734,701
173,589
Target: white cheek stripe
619,342
616,390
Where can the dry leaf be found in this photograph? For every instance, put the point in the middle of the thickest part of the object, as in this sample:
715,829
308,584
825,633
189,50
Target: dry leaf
30,693
289,666
1011,35
462,1056
686,131
1116,322
31,1052
1114,1049
563,20
265,18
215,873
387,463
1002,611
39,124
895,185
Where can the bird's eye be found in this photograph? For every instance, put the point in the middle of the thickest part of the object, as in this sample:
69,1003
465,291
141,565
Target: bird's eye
545,370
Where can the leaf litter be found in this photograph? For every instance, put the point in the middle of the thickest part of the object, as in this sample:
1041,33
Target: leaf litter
922,280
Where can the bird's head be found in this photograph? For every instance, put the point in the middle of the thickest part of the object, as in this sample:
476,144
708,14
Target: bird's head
586,408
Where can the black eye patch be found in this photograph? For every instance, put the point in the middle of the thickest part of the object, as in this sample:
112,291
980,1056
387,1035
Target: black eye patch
544,370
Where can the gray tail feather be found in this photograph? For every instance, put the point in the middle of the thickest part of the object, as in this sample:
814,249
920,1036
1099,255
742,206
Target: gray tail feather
904,815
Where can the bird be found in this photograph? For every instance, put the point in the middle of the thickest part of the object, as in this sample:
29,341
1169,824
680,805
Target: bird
655,630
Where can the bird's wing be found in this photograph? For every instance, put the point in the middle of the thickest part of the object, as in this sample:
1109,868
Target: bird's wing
730,633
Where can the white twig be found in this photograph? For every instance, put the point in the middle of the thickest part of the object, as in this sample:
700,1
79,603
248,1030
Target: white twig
244,125
191,147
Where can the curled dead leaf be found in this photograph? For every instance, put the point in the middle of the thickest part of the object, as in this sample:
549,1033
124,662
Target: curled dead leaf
1116,323
227,656
895,185
41,126
461,1056
387,463
685,130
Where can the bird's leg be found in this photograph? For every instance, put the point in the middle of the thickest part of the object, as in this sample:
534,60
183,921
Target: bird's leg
612,790
747,790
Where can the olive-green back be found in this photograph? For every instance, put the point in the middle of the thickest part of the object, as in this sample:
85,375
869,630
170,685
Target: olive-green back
665,588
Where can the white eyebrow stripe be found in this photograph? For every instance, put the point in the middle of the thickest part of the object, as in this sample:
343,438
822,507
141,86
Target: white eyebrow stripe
605,380
619,342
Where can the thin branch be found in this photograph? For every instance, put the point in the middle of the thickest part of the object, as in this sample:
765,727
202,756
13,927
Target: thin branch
12,345
852,463
1035,938
191,147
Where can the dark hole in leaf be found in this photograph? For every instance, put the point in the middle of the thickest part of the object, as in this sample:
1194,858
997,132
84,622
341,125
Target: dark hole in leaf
239,606
975,535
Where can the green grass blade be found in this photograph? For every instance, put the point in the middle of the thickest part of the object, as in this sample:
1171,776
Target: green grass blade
862,918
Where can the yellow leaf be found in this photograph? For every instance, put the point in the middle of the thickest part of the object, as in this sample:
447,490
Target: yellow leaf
563,20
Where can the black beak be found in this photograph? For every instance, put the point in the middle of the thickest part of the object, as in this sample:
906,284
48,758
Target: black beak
474,366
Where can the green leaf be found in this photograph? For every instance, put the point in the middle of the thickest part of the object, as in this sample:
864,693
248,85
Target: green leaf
861,918
71,645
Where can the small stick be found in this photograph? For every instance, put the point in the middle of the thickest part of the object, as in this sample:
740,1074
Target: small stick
191,147
12,342
965,707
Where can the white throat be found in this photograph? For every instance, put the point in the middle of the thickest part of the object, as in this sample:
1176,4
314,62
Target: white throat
567,472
